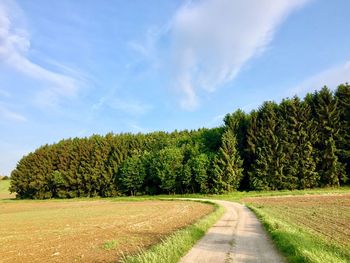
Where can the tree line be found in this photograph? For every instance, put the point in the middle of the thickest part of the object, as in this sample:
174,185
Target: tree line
294,144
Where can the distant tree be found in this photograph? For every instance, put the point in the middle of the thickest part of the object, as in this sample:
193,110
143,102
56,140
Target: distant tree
167,166
228,164
298,134
196,173
238,123
294,144
132,175
268,152
342,95
331,171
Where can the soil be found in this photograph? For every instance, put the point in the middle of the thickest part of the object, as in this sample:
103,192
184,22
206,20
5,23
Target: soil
78,231
324,215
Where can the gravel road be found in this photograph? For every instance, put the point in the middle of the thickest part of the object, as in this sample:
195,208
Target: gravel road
237,237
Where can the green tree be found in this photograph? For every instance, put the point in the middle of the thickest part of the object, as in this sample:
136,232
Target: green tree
267,150
298,135
228,164
167,166
342,95
325,105
132,175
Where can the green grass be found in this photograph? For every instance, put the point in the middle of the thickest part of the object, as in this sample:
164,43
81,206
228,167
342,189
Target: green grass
172,248
4,189
238,195
297,242
111,244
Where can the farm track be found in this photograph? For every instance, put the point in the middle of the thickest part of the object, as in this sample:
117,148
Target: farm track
237,237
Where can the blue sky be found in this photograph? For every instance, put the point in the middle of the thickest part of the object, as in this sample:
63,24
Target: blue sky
75,68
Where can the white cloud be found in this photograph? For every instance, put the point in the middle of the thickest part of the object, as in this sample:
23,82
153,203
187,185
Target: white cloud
211,40
331,77
11,115
14,47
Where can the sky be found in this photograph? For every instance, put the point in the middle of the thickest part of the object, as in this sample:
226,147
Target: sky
83,67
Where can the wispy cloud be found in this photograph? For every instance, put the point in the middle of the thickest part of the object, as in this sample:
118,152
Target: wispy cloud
128,106
10,115
132,107
331,77
211,40
14,47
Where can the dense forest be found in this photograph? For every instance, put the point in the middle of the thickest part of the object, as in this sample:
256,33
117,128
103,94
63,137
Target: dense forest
295,144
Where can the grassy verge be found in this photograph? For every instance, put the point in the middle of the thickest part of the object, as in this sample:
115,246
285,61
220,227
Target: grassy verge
237,196
172,248
298,244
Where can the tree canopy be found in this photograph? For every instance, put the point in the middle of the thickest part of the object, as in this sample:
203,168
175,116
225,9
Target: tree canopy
294,144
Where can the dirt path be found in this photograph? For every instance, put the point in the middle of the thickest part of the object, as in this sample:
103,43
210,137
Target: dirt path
237,237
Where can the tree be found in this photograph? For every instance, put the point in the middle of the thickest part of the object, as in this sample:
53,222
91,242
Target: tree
132,175
342,94
195,173
238,123
228,164
328,127
167,166
298,135
267,150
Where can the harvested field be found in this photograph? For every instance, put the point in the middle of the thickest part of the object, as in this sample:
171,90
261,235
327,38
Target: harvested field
88,231
327,216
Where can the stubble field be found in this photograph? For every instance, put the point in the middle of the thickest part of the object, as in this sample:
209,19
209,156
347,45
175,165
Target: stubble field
88,231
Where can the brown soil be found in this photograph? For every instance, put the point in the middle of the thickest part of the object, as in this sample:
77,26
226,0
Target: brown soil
76,231
325,215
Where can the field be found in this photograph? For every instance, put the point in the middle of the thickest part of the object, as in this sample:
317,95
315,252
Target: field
310,228
306,225
88,231
4,186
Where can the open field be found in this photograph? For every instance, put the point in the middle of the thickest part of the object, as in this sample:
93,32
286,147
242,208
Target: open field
89,231
309,228
306,225
4,192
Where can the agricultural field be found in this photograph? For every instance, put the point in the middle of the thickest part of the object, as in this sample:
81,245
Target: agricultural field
88,231
308,228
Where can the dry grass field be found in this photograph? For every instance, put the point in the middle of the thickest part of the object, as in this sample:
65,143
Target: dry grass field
316,225
88,231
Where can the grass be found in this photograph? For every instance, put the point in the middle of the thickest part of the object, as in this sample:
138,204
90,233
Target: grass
239,195
111,244
172,248
4,189
303,228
